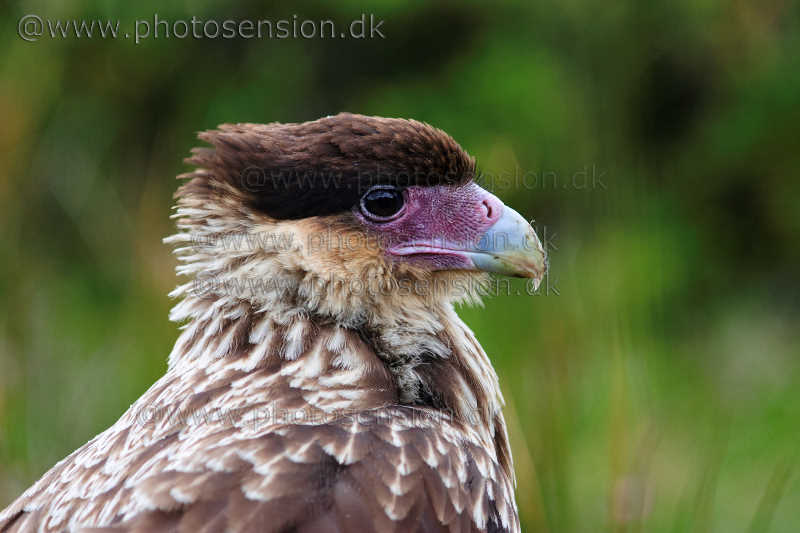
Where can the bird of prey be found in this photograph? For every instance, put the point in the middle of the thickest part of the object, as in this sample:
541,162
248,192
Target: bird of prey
322,381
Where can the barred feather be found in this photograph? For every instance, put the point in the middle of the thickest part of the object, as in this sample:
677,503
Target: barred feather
302,405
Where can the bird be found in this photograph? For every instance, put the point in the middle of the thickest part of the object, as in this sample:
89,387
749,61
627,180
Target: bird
321,380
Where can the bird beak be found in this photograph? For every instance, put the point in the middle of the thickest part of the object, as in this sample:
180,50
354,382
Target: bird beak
510,247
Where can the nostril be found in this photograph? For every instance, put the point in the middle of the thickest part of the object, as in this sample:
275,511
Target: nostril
488,206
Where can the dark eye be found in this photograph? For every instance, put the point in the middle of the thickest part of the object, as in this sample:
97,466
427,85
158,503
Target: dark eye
382,204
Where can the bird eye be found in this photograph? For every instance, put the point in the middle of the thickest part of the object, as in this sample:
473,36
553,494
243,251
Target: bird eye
382,204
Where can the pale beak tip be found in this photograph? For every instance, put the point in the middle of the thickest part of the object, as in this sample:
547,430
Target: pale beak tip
527,259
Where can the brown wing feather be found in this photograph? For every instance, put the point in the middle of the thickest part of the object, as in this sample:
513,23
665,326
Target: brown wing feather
364,464
319,494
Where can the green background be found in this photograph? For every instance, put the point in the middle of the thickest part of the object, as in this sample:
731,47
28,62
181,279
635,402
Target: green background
651,386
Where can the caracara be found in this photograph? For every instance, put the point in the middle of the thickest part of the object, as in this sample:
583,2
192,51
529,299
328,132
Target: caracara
322,381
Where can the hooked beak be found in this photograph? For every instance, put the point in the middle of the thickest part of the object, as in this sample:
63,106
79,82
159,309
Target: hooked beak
510,247
479,233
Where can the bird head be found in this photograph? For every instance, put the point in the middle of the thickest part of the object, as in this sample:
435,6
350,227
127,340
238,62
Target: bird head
347,216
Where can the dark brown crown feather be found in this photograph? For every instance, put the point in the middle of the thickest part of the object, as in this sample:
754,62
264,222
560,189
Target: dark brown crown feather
321,167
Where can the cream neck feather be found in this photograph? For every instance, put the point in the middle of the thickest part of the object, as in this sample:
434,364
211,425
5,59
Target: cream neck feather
240,273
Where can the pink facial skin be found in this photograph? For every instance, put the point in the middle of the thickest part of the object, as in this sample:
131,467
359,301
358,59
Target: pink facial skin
437,225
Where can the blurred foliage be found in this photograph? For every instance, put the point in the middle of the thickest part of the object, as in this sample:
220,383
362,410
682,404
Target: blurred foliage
651,387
